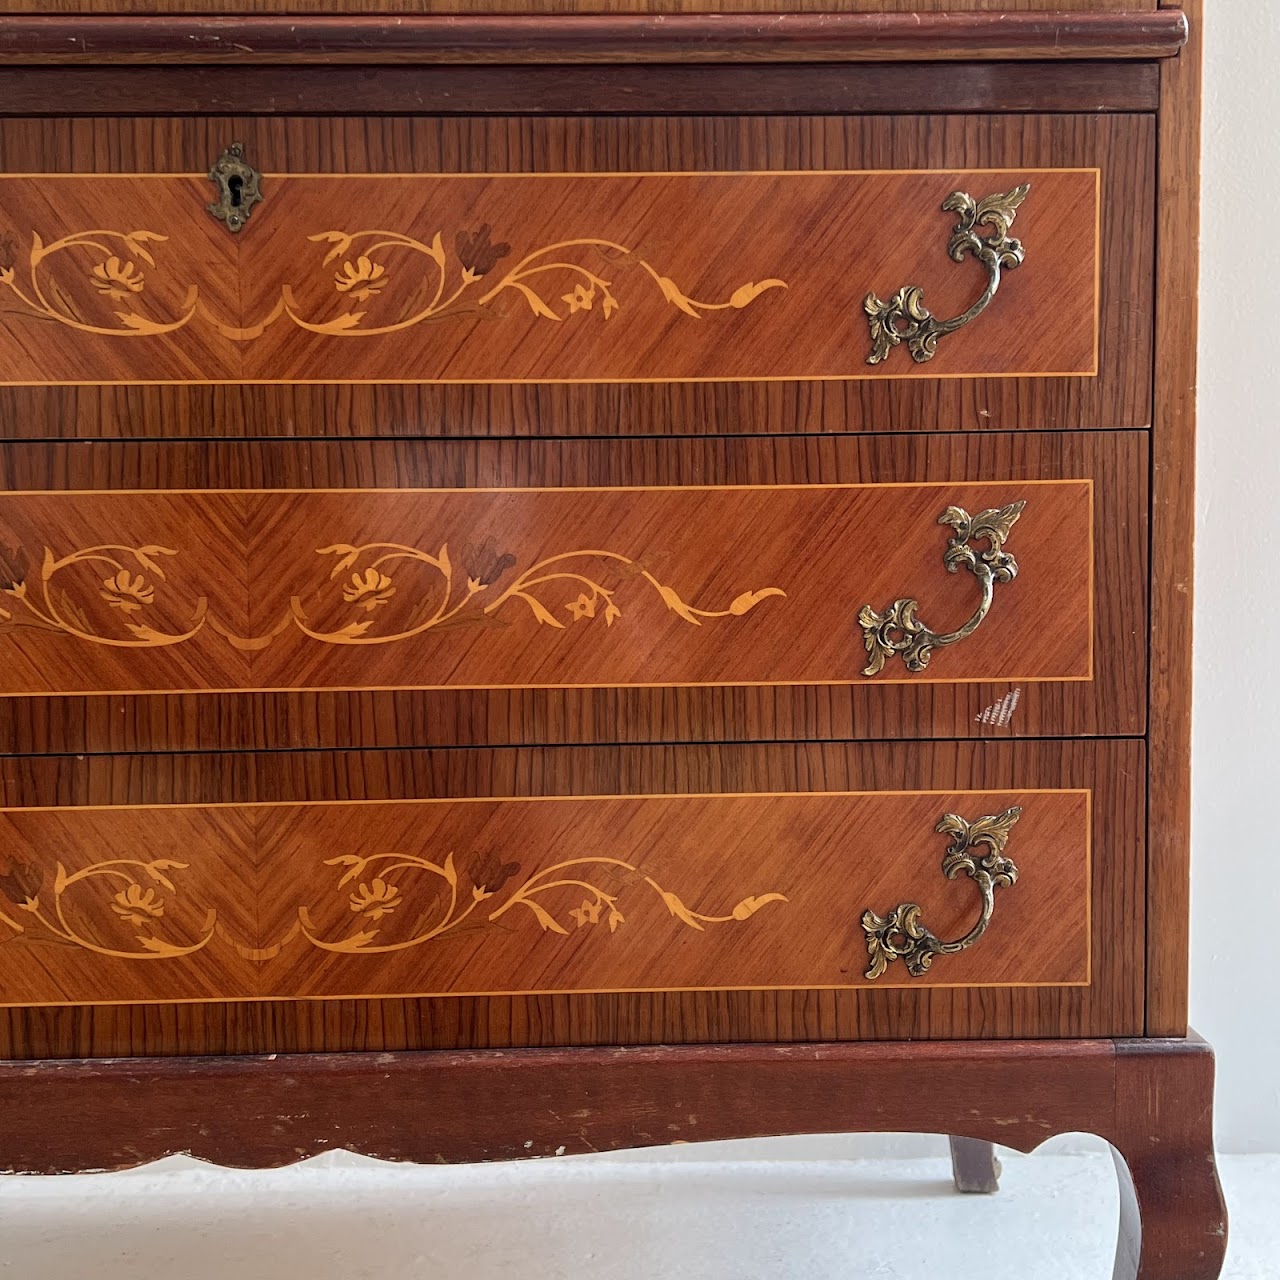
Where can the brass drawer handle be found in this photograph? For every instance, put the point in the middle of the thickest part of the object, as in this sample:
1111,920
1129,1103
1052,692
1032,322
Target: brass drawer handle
901,936
898,630
239,187
905,318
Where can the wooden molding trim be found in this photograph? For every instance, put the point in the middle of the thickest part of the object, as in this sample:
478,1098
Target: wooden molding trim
697,38
814,88
441,1107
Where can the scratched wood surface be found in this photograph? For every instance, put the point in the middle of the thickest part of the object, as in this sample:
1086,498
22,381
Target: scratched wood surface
912,235
895,857
526,278
161,590
583,894
553,7
250,556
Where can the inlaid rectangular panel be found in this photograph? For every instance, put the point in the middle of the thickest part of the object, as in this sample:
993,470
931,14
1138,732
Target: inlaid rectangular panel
552,894
571,277
896,702
898,396
874,823
190,590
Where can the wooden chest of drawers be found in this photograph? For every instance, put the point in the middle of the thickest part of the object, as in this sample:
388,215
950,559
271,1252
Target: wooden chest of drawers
558,532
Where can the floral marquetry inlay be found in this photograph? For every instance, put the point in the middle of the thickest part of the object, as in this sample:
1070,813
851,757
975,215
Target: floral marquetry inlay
366,576
472,897
159,590
519,277
362,260
129,889
522,894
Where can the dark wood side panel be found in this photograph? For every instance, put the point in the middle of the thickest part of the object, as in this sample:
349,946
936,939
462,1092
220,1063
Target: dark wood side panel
1047,641
1122,147
1173,522
488,37
652,89
1111,1005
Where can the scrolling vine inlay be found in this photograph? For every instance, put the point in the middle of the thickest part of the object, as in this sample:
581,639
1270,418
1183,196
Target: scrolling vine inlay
363,272
522,277
369,587
375,895
456,895
137,903
219,590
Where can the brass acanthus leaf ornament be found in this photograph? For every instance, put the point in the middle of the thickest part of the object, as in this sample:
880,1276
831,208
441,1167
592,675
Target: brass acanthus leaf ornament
900,934
899,631
905,318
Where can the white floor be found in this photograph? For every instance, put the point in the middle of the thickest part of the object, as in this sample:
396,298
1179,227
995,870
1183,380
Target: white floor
714,1213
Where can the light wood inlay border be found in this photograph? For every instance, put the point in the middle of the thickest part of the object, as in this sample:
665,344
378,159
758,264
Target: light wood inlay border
233,900
668,578
1112,769
740,295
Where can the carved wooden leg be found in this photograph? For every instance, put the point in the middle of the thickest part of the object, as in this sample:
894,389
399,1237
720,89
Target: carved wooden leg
974,1166
1173,1221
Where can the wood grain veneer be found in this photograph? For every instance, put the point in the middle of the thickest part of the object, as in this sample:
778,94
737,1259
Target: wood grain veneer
493,588
1173,521
595,37
1122,147
893,549
1110,1004
529,896
531,278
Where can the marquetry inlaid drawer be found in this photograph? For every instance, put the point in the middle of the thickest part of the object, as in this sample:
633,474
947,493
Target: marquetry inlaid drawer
578,873
702,590
609,276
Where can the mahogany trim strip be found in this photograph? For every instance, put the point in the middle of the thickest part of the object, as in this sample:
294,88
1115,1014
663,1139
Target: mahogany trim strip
433,1108
816,88
694,38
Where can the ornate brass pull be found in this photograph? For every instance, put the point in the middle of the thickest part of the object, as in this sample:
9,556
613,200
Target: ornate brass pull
901,936
905,318
239,187
898,630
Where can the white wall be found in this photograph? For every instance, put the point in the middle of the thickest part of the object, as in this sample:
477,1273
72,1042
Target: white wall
1236,757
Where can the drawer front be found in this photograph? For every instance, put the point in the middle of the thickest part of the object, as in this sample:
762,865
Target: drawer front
979,580
849,270
517,879
162,590
532,278
607,893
